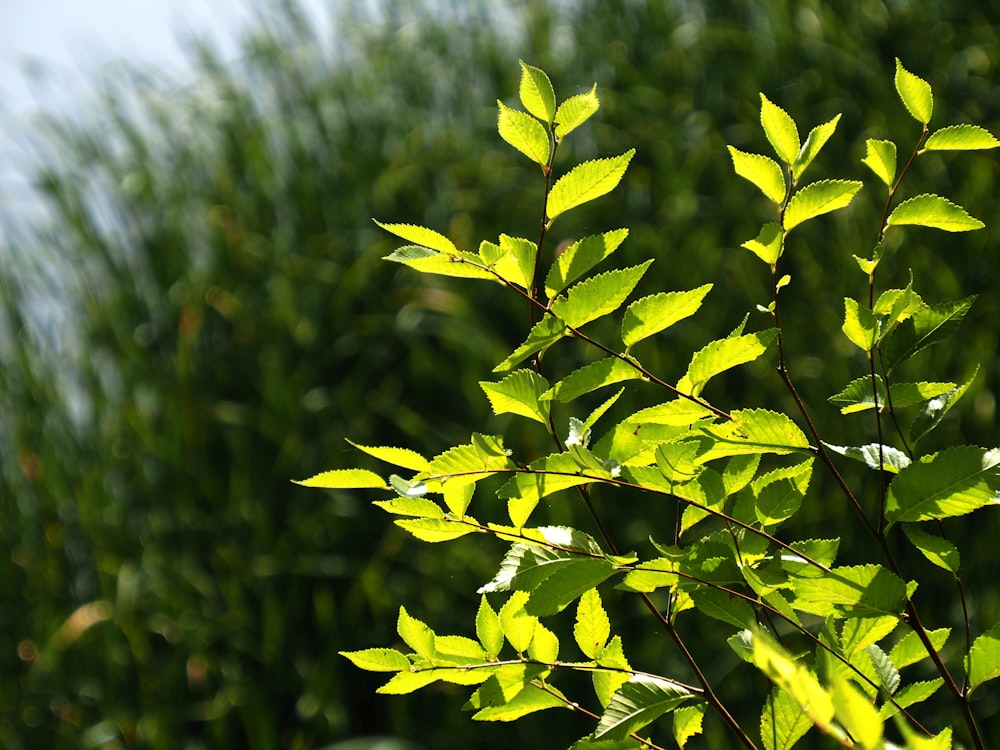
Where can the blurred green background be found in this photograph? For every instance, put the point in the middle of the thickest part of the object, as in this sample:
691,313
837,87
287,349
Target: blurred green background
204,315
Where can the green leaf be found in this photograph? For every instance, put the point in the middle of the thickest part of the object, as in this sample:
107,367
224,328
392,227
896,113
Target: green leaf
528,701
515,261
777,502
782,723
888,459
768,244
653,314
525,133
407,682
579,258
639,702
857,396
780,130
606,683
881,159
467,464
341,479
885,670
929,325
566,583
762,171
651,575
953,482
819,198
598,295
960,138
722,355
546,475
457,497
587,181
909,695
724,608
935,212
687,723
599,374
793,677
915,93
592,628
754,431
983,661
527,564
910,650
457,650
575,111
588,743
544,645
815,141
421,236
939,551
435,529
536,93
378,659
458,264
852,591
860,325
419,507
519,393
544,334
517,625
856,714
416,635
402,457
935,409
488,629
680,412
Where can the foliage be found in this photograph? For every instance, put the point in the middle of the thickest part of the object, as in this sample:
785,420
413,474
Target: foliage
830,637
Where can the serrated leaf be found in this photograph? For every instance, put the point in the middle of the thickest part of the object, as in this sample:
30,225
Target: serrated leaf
768,244
722,355
342,479
856,714
983,661
544,645
467,464
859,633
687,723
860,325
599,374
723,607
815,141
762,171
780,130
782,722
935,212
378,659
562,587
598,295
953,482
588,743
655,313
754,431
888,459
881,159
416,635
421,236
639,702
544,334
606,683
528,701
536,94
938,550
458,264
651,575
910,650
680,412
525,133
403,683
935,409
519,393
488,629
457,497
402,457
777,502
587,181
909,695
592,627
852,591
915,93
575,111
857,396
960,138
435,529
516,262
419,507
579,258
885,670
819,198
928,325
793,677
527,564
517,625
546,475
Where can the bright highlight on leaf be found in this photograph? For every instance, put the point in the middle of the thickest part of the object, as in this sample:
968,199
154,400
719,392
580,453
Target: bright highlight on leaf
780,130
915,93
587,181
525,133
819,198
961,138
762,171
650,315
768,244
935,212
421,236
536,93
815,141
951,483
881,159
640,701
579,258
575,111
519,393
983,662
342,479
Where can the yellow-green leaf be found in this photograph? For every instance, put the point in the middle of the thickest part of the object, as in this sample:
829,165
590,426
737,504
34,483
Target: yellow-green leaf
536,93
780,130
587,181
342,479
402,457
915,93
983,661
819,198
650,315
525,133
935,212
815,141
575,111
860,325
592,628
579,258
762,171
519,393
961,138
722,355
881,159
768,244
488,629
378,659
421,236
938,550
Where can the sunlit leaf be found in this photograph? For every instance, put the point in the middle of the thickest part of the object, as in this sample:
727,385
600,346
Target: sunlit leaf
592,627
606,683
653,314
722,355
885,459
519,393
639,702
933,412
403,683
517,625
860,325
938,550
909,695
421,236
885,670
687,723
435,529
915,93
680,412
488,629
929,324
546,475
598,295
983,661
579,258
525,133
953,482
459,264
819,198
780,130
575,111
536,94
856,714
416,635
857,396
587,181
935,212
402,457
544,334
378,659
419,507
782,722
544,645
768,244
345,479
815,141
910,649
852,591
762,171
881,159
792,676
754,431
599,374
960,138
